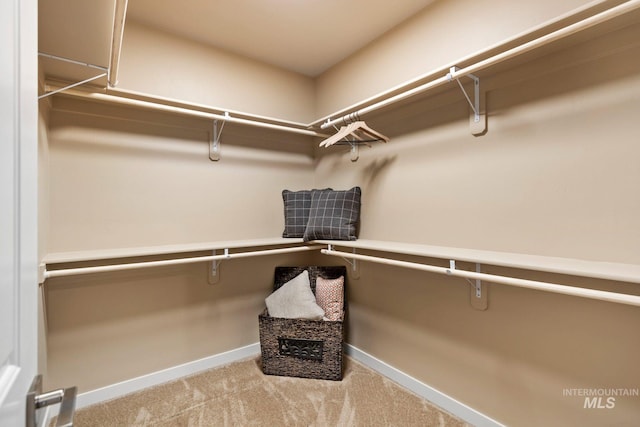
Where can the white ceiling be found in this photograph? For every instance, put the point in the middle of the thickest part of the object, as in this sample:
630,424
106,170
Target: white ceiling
306,36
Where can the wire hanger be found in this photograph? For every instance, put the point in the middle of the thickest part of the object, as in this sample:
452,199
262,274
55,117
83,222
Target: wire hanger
360,134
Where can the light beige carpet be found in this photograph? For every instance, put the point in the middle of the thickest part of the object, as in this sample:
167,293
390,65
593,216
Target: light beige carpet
239,394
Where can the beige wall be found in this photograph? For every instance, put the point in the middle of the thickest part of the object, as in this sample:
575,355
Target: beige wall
124,178
112,327
162,65
556,174
116,182
439,35
510,362
117,177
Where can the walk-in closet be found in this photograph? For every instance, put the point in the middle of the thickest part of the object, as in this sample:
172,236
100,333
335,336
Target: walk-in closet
496,268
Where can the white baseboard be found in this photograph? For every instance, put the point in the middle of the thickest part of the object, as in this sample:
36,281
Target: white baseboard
155,378
136,384
436,397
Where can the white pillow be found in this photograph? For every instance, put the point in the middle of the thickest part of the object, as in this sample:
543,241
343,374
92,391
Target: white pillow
295,300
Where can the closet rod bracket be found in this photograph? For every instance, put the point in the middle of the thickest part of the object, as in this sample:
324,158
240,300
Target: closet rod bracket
477,119
71,86
475,105
214,271
42,273
478,296
355,152
355,270
214,140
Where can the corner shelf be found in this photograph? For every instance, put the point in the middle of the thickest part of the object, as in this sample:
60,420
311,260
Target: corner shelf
103,254
569,266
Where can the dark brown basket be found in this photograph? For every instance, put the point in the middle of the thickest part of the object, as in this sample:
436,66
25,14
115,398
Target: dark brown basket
299,347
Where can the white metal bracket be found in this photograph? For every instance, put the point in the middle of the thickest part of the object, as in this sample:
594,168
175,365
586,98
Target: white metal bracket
475,105
105,73
355,153
479,291
478,119
214,140
355,270
53,92
214,271
479,295
42,269
43,306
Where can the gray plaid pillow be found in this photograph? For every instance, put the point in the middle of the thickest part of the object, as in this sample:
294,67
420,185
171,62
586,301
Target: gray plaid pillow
296,211
334,215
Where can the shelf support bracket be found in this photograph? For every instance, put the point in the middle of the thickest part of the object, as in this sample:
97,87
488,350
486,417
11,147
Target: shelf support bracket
479,296
214,271
355,270
214,140
42,272
478,120
355,152
53,92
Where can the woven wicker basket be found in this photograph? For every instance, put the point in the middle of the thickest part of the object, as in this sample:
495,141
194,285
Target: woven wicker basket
298,347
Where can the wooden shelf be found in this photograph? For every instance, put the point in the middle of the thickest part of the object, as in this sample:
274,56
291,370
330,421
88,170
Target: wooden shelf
93,255
569,266
574,267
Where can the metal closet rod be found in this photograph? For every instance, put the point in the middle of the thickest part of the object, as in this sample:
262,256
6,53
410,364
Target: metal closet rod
493,278
493,60
185,111
147,264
